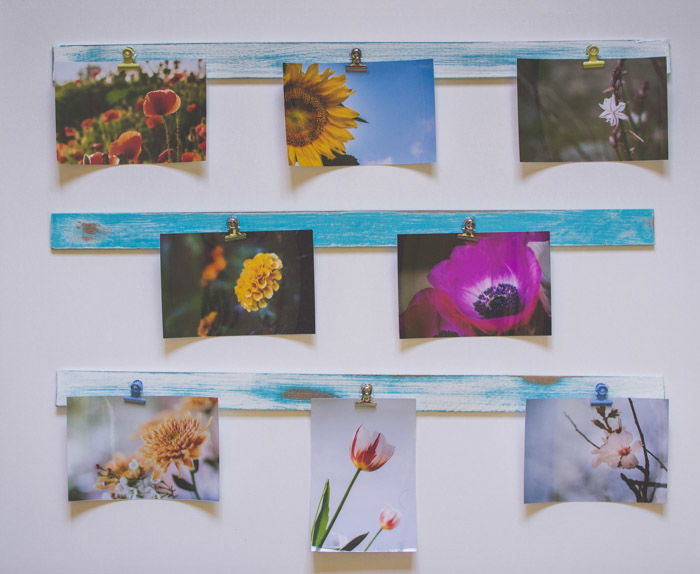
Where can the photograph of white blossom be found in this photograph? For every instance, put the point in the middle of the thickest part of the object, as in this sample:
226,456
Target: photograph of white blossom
578,452
568,113
165,449
363,476
383,116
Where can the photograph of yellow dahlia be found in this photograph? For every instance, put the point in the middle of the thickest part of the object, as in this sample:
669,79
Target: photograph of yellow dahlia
363,476
105,116
260,285
384,116
167,449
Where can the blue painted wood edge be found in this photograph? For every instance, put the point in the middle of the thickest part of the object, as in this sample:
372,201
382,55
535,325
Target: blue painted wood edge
451,59
293,391
353,229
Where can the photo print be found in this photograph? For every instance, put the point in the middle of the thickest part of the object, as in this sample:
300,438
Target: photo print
568,113
384,116
578,452
109,117
260,285
499,285
363,476
165,449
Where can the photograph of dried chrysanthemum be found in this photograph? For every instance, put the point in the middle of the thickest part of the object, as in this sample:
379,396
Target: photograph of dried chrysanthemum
165,449
260,285
384,116
363,476
497,285
109,117
575,451
568,113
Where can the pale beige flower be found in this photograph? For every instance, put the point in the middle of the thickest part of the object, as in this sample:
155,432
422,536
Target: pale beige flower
129,467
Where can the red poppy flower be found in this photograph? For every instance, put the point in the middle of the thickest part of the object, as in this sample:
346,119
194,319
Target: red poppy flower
190,156
201,130
139,104
111,116
203,146
166,156
191,107
70,132
161,103
153,121
86,124
77,154
128,144
176,77
100,158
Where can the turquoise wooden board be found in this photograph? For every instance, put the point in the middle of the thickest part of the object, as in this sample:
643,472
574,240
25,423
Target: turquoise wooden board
353,229
452,59
293,391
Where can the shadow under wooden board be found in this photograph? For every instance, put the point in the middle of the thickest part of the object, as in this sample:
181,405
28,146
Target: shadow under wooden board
294,391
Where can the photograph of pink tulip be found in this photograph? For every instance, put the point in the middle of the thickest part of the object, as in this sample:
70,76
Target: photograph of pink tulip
578,452
363,476
499,285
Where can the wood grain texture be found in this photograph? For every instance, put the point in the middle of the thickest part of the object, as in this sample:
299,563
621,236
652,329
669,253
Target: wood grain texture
353,229
293,391
451,59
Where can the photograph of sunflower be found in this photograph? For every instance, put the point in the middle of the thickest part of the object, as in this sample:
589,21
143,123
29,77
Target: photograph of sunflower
363,476
384,116
260,285
165,449
109,117
499,285
575,451
568,113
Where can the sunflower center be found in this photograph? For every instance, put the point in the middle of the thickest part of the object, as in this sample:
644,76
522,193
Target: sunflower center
499,300
305,116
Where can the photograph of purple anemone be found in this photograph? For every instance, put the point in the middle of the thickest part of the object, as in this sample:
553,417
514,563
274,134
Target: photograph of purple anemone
497,286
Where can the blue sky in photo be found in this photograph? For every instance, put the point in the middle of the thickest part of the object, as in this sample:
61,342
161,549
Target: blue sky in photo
397,99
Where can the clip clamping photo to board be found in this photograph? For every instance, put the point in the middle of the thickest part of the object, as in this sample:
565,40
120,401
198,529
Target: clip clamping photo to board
356,64
134,397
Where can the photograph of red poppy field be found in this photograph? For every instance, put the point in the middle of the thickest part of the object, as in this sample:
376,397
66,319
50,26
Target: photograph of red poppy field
363,476
499,285
570,113
109,117
165,449
609,453
260,285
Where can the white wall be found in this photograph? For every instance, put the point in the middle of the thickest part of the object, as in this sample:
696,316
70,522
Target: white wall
616,311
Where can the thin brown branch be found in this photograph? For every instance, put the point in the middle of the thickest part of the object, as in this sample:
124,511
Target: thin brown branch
573,424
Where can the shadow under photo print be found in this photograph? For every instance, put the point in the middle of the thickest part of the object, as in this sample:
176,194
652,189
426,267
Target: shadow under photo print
260,285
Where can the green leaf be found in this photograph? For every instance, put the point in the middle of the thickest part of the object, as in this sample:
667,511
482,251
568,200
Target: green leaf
318,531
599,424
343,159
182,483
354,542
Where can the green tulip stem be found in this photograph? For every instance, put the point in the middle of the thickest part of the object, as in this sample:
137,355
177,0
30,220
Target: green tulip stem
373,539
340,507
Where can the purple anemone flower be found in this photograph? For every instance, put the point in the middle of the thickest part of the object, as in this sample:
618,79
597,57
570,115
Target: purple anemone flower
488,288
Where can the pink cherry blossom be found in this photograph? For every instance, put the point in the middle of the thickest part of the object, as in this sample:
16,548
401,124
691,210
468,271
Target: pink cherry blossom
613,112
618,451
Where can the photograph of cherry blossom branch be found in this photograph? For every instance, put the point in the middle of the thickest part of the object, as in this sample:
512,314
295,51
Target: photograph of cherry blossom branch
109,117
567,113
498,286
166,449
578,452
260,285
384,116
363,476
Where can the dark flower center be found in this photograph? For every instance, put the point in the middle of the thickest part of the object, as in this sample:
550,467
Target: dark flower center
499,300
305,116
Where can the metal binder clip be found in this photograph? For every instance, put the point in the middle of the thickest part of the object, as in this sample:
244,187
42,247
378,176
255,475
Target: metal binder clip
468,233
129,64
593,61
135,397
366,398
234,232
356,64
601,393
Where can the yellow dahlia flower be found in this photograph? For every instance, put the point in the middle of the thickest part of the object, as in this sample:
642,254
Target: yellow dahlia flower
177,440
316,121
131,467
258,281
